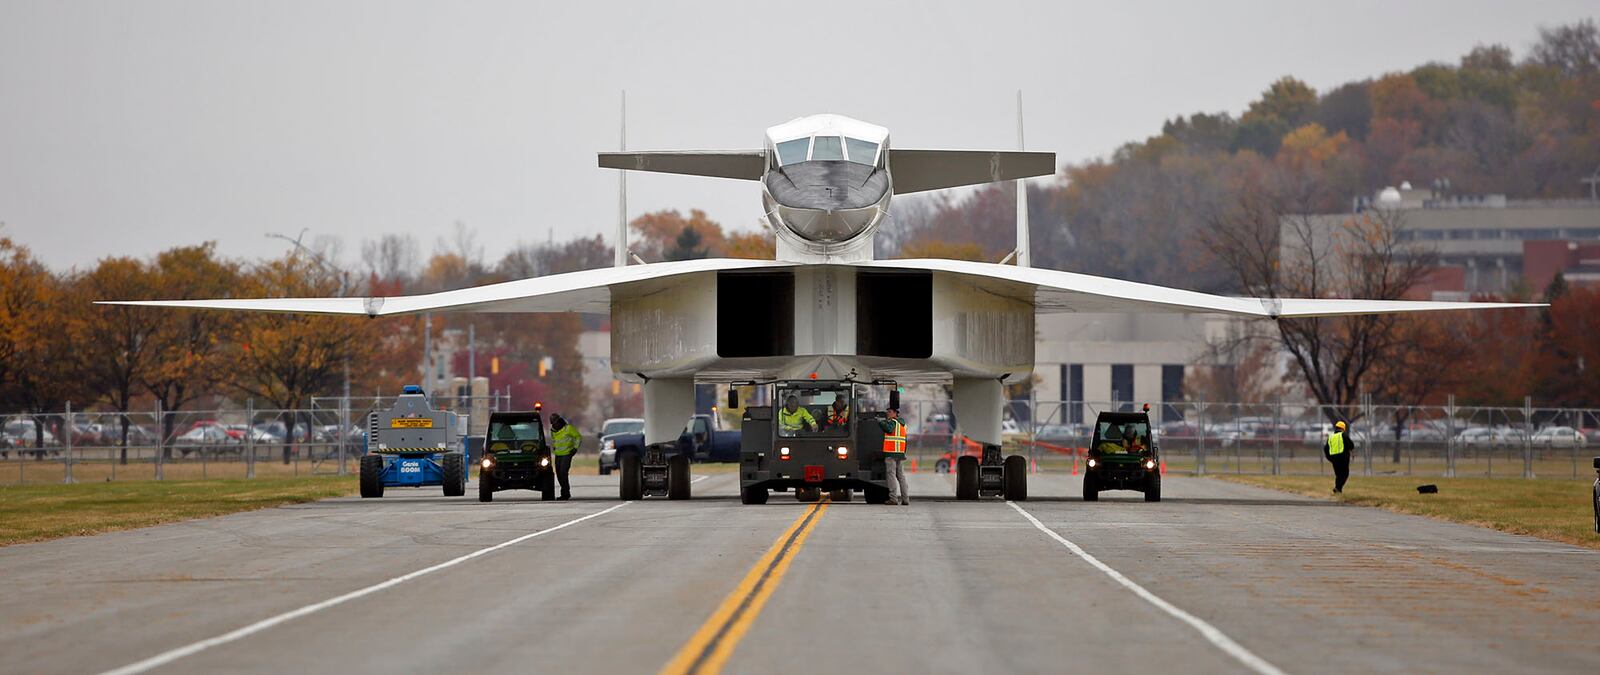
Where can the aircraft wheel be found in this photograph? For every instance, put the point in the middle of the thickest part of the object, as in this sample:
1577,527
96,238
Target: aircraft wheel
678,477
371,476
1016,478
485,486
631,487
967,478
1091,487
753,495
1152,487
455,474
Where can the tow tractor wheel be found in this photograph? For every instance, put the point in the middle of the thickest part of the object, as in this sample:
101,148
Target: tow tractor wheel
876,495
840,495
808,494
1091,487
1016,478
1152,487
485,486
967,478
371,476
455,474
753,495
631,486
678,477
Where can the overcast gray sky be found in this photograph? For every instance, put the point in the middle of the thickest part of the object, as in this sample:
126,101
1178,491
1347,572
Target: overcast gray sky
129,126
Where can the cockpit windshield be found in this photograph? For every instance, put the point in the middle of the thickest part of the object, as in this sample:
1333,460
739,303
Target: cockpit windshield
793,152
827,148
862,152
816,412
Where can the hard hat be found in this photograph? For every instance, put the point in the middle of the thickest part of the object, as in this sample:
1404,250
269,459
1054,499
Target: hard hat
1339,425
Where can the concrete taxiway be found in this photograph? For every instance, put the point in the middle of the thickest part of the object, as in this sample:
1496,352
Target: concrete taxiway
1216,578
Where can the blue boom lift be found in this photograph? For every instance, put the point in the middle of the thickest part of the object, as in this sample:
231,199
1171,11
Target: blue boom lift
413,445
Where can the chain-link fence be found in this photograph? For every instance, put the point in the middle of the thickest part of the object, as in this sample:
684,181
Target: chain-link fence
1195,437
247,442
1285,438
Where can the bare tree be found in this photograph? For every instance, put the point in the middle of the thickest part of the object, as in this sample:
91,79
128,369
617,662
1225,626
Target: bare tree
392,257
1273,245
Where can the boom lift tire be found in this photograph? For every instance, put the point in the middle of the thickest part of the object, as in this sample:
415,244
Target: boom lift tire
1091,488
485,487
1016,478
371,476
752,495
967,478
631,485
678,477
455,474
1152,486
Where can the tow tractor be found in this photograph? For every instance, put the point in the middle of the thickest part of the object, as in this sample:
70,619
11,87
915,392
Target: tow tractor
516,456
1123,456
815,458
413,445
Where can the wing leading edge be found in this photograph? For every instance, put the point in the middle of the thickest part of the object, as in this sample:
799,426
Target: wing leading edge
1056,291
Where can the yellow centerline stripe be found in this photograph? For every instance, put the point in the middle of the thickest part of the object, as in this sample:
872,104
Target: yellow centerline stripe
710,646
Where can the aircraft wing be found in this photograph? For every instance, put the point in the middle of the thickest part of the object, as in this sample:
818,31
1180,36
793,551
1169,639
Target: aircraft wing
1056,291
740,164
920,170
588,291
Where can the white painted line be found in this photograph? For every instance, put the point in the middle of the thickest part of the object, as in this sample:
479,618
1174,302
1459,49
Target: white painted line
189,650
1210,632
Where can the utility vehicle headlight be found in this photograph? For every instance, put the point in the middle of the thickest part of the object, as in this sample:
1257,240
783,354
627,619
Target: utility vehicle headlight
544,461
1093,463
1149,464
488,462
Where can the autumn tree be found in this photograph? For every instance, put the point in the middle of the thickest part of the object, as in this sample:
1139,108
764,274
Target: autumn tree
119,343
284,359
189,346
40,367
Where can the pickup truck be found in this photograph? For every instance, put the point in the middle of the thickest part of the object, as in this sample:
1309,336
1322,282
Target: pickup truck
698,440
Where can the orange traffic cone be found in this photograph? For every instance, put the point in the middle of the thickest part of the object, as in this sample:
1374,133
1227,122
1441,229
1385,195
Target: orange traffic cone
1035,462
1163,467
1074,463
913,465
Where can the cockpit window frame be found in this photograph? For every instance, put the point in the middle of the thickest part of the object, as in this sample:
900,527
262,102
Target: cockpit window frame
877,150
781,160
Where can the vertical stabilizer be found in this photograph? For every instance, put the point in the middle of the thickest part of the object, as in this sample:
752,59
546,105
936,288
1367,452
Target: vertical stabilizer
1024,256
620,257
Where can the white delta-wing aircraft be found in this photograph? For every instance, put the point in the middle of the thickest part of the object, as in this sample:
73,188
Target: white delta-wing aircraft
824,306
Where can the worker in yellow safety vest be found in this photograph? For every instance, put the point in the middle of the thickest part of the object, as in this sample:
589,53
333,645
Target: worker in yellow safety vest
564,443
793,417
894,457
1337,450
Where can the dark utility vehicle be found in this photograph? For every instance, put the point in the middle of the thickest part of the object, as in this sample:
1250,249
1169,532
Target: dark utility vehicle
1123,456
516,456
806,450
1597,494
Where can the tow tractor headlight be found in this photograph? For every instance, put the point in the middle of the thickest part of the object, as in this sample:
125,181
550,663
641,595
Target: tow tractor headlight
488,462
843,452
783,453
1093,463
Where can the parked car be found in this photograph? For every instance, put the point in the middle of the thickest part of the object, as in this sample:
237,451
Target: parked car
609,430
235,434
1559,437
1485,436
207,437
698,440
19,434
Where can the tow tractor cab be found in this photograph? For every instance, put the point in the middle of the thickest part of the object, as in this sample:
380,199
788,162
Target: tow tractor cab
800,443
516,456
1123,456
413,445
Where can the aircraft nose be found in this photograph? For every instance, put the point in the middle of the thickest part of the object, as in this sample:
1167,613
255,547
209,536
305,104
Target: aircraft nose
828,201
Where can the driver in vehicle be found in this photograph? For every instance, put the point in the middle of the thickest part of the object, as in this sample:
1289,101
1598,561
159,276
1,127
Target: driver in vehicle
1130,440
793,418
1110,443
838,414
